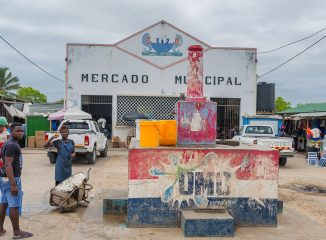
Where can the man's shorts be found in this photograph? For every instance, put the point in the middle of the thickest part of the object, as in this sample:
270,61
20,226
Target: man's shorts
5,191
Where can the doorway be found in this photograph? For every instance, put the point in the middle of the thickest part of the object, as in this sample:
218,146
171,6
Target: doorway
228,117
99,106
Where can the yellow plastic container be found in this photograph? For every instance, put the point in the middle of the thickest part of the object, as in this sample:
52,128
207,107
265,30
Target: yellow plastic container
149,133
168,132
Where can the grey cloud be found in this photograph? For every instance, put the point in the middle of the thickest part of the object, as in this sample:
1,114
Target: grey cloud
41,29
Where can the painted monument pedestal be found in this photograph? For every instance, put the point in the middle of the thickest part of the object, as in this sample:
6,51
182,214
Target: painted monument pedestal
196,122
165,180
198,174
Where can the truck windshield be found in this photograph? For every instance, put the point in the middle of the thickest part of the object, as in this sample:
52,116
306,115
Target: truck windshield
259,130
77,125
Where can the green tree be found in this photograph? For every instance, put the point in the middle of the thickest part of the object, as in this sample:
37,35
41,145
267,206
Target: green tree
281,104
60,101
8,83
31,94
300,104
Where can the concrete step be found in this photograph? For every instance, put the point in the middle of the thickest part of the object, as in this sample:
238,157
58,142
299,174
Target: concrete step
115,203
207,223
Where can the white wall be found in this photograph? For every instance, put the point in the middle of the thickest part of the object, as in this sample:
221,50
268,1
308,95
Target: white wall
126,59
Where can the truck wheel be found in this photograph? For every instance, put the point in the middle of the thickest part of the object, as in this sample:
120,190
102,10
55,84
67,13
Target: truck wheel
282,161
91,157
52,157
104,153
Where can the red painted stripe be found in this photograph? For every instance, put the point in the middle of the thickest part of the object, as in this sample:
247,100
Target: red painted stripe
255,167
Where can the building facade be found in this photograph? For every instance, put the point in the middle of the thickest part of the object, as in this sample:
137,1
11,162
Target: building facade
147,71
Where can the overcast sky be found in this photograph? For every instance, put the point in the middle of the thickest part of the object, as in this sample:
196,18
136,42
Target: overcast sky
40,29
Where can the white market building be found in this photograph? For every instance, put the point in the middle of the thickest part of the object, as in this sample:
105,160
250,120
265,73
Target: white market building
147,71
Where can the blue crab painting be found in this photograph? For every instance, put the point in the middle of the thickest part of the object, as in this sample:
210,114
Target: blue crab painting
162,46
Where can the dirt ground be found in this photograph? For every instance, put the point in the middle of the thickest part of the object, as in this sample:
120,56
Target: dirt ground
304,215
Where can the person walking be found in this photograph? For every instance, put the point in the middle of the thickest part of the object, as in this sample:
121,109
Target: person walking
66,150
10,182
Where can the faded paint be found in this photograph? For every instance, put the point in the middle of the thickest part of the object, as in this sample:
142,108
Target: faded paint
196,117
174,178
195,73
196,122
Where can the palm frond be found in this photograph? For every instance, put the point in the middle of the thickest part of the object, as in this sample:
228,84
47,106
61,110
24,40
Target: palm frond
3,72
11,81
9,76
8,82
12,87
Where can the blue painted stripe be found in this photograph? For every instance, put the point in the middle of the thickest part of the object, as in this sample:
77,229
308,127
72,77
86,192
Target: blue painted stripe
208,228
144,212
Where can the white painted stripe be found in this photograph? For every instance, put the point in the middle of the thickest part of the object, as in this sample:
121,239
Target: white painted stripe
239,188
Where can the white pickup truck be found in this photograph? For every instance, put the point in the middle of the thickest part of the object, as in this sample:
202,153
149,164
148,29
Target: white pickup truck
89,139
264,135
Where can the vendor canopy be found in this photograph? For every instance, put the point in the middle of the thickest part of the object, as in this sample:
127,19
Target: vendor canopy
76,114
69,114
57,115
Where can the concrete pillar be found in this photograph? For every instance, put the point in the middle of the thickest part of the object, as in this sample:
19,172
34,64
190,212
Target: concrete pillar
195,89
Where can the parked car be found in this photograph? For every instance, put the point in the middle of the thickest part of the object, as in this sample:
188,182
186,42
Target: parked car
89,139
264,135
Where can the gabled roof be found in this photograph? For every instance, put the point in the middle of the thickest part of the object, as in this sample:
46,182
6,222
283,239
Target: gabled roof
306,108
158,23
124,46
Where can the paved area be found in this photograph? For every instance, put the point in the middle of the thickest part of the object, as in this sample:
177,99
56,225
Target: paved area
304,214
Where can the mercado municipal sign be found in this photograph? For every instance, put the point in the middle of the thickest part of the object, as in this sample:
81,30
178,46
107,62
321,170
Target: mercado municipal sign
144,79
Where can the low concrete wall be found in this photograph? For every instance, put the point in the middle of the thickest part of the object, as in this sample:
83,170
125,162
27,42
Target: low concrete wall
163,181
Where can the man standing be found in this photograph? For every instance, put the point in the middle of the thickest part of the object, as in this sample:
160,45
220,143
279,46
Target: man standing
10,182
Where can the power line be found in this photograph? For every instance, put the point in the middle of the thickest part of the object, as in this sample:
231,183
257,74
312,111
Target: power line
31,60
292,57
288,44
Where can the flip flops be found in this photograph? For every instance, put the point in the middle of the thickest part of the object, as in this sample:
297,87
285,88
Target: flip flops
23,235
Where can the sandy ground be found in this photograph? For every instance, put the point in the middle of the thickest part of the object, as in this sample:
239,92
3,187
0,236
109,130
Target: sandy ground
304,214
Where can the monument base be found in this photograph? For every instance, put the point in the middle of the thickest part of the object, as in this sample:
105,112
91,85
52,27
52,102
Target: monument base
196,122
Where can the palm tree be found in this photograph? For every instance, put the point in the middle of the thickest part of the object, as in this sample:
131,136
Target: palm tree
8,83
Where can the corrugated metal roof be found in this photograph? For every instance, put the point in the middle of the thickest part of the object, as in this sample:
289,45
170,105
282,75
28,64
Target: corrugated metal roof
314,114
45,108
14,112
264,116
306,108
10,99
